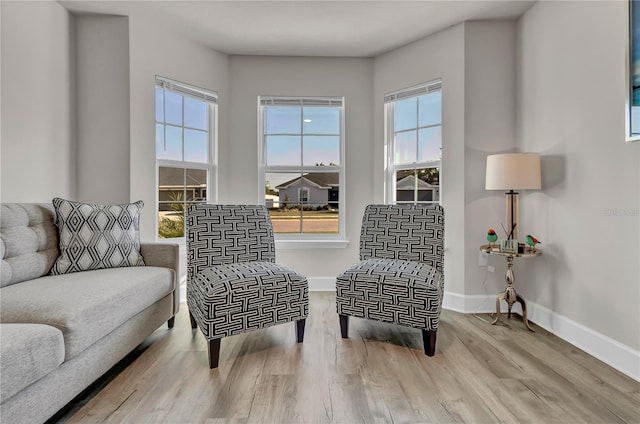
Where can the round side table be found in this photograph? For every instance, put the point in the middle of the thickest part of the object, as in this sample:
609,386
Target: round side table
509,295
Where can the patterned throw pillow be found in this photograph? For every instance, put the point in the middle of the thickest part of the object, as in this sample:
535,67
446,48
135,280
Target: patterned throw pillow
97,236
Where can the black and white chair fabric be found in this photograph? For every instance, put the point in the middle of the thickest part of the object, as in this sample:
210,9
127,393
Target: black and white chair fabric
399,278
233,282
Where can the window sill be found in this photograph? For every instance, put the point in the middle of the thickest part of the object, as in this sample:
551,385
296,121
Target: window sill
311,244
281,244
178,240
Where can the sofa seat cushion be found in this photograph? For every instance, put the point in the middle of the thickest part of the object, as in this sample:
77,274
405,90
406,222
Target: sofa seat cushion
87,305
29,352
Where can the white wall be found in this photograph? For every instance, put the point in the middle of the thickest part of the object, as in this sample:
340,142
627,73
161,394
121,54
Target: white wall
570,109
38,111
351,78
155,51
490,127
102,60
438,56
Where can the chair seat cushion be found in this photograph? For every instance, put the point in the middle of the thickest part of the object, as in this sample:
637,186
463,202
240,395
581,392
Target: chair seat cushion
232,298
391,290
392,272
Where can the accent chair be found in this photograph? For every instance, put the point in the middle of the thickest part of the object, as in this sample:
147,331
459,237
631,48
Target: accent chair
233,282
399,278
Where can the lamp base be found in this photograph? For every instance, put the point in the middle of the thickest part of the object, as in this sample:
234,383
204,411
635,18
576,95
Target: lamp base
512,215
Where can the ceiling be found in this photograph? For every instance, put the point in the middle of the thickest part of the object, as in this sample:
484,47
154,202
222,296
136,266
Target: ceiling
306,28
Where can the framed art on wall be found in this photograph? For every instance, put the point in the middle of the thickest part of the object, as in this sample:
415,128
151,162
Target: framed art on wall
632,130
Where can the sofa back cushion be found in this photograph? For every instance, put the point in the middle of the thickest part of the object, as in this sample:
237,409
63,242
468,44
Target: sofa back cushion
28,241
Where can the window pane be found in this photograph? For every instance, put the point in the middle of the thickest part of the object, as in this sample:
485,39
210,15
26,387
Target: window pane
430,109
195,146
321,120
277,191
405,186
173,108
283,119
428,184
405,147
319,218
321,150
283,150
171,202
286,220
406,114
159,104
160,147
196,187
172,148
170,184
429,143
429,175
195,113
170,223
281,197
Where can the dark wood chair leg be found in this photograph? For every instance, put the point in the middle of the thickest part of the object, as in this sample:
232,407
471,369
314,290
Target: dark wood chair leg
429,340
300,330
171,322
344,326
214,353
193,320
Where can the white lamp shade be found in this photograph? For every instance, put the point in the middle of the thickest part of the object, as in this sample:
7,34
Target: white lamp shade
513,171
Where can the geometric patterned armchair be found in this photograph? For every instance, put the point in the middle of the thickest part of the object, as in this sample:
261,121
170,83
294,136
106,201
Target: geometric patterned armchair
399,278
233,282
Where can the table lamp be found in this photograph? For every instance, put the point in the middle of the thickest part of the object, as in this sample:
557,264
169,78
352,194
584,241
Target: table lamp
513,171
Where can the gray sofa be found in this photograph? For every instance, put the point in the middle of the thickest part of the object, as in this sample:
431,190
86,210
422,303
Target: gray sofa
59,333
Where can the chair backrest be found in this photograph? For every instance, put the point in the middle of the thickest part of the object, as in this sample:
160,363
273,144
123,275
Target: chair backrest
408,232
223,234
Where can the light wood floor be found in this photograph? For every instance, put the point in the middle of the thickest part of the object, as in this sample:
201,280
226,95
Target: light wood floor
480,374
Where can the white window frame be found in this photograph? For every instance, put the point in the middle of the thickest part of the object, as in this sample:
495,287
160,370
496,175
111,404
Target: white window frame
303,240
211,97
391,167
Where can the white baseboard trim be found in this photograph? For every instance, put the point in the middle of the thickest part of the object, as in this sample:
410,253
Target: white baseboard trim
610,351
470,304
322,283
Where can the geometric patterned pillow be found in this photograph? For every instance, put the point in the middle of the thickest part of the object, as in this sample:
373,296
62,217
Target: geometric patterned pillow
96,236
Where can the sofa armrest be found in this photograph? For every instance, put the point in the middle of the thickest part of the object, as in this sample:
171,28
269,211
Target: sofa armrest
165,255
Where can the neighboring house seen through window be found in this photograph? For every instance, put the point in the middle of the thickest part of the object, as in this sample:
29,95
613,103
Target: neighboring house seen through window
414,144
301,160
185,151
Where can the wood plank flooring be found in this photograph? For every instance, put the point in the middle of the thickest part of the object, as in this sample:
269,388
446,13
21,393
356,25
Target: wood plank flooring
479,374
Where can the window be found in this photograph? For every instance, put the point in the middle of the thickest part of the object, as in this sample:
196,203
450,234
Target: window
303,195
414,144
302,165
185,151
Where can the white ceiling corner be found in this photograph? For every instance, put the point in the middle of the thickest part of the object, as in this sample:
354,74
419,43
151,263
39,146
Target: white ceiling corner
306,28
